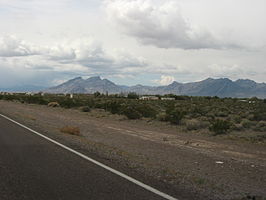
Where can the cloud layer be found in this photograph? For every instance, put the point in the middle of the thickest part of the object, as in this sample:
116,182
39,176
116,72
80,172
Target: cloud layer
131,41
83,56
161,25
11,46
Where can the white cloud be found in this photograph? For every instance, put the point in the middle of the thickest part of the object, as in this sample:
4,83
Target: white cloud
77,57
58,40
161,25
12,46
165,80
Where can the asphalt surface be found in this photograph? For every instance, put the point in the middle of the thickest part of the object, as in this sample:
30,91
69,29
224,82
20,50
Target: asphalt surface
34,168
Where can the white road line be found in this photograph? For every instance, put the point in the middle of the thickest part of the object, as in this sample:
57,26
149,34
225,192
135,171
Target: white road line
143,185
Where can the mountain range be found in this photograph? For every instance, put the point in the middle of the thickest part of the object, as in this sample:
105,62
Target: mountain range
222,87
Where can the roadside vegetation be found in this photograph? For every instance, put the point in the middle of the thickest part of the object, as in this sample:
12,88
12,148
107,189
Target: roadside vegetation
70,130
237,118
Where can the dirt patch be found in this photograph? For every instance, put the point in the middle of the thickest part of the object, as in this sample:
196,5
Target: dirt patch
212,167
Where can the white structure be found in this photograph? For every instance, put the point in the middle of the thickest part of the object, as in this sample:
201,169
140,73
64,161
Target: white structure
149,98
168,98
29,93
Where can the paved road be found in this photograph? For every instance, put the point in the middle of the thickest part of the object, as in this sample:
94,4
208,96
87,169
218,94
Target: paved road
34,168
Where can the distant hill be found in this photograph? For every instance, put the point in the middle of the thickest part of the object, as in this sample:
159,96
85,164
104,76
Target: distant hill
222,87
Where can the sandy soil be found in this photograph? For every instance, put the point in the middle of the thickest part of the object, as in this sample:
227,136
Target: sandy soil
208,167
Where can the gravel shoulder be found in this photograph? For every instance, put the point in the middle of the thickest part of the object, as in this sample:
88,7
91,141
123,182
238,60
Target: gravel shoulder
194,165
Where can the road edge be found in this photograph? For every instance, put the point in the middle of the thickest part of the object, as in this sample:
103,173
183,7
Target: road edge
118,173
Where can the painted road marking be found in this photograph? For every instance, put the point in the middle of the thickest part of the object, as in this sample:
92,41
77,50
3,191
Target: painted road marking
143,185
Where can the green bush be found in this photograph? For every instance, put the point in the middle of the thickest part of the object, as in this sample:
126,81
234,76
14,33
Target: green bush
114,107
199,110
132,95
90,102
221,114
34,100
236,118
68,103
100,105
259,115
195,124
131,113
161,117
220,126
174,116
146,110
260,126
86,109
237,127
246,123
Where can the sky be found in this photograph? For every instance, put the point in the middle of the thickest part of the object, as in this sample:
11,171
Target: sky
150,42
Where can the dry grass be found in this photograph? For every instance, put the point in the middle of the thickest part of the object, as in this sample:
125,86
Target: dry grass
71,130
53,104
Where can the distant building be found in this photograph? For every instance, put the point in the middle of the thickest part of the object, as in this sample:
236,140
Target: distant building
168,98
243,100
149,98
29,93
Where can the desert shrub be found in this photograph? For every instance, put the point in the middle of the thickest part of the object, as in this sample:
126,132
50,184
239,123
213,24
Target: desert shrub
237,127
114,107
219,126
99,105
199,110
259,115
250,117
9,97
132,95
146,110
70,130
221,114
68,103
90,102
161,116
243,114
175,115
260,126
131,113
53,104
86,109
246,123
210,115
195,124
35,100
236,119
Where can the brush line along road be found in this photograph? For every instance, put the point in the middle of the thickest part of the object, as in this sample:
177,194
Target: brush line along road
32,167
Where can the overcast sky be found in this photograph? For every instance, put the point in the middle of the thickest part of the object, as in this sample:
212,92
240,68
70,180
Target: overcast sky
152,42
